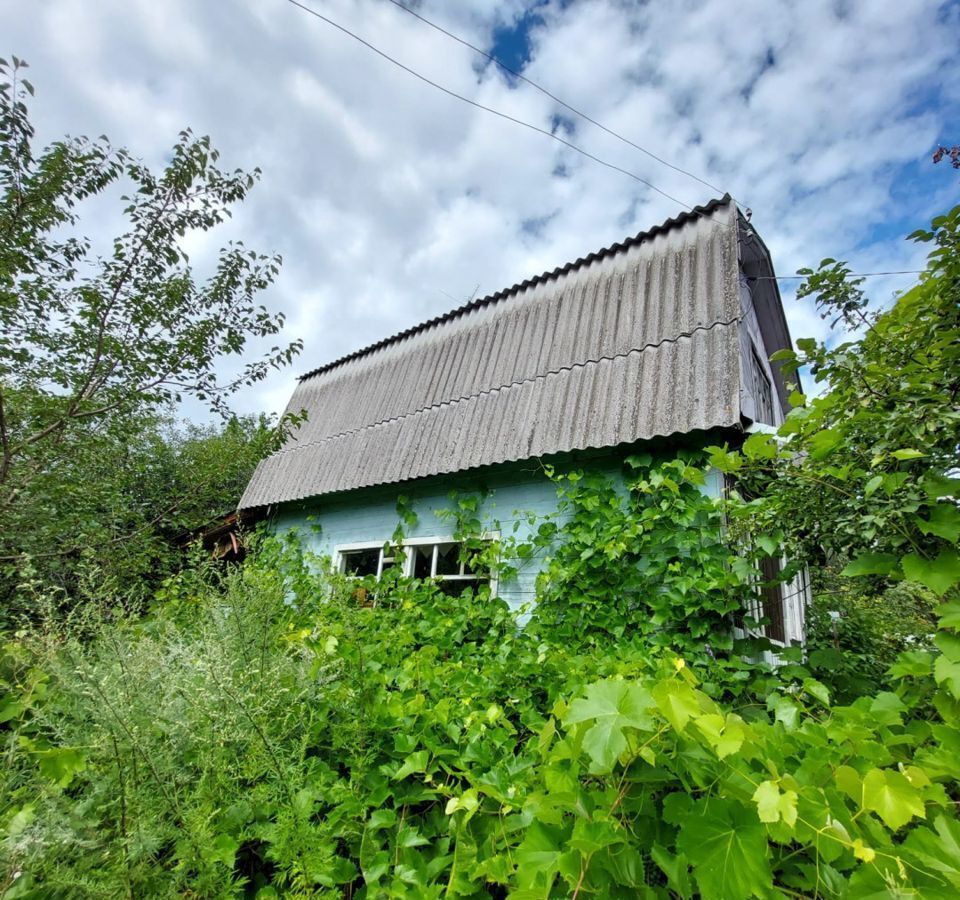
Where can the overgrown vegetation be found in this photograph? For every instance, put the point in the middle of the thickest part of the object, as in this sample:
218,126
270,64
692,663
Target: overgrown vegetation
99,338
649,562
856,631
263,733
120,509
863,473
257,731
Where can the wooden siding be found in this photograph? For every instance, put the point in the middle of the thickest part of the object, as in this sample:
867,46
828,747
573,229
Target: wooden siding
512,493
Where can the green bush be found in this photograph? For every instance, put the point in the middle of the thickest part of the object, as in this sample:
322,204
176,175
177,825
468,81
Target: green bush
262,733
137,739
854,634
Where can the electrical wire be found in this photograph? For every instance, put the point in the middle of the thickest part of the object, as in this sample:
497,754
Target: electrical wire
488,109
554,97
551,134
848,274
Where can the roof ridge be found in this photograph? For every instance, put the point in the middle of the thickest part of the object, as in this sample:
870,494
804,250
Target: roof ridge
668,225
580,364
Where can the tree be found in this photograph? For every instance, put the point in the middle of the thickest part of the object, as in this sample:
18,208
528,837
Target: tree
94,346
115,512
865,475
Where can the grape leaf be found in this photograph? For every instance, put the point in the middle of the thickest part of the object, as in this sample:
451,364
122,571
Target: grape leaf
938,850
677,702
870,564
726,736
939,575
727,847
612,706
772,805
892,797
61,764
944,522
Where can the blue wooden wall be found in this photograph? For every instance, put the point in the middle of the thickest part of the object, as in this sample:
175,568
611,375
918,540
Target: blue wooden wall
511,493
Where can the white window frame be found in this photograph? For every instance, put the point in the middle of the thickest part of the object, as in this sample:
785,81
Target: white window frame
795,596
760,365
341,550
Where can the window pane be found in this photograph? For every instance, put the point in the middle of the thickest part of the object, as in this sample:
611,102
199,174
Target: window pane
422,560
457,586
448,559
772,598
361,562
763,394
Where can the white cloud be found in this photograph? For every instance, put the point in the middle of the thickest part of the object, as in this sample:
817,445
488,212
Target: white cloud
391,202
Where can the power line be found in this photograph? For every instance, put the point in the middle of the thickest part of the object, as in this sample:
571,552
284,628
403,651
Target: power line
553,97
848,275
488,109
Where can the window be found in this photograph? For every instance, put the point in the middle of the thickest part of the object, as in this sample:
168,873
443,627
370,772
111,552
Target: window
360,562
762,392
767,603
367,560
771,599
448,562
444,560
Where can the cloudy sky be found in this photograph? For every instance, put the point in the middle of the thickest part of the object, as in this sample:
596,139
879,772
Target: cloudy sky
392,202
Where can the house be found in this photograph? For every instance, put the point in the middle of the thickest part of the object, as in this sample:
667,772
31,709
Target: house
661,340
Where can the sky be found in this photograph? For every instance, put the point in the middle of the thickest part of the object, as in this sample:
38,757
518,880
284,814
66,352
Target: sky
392,202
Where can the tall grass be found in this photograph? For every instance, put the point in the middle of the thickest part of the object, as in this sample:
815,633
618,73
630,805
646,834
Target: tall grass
142,737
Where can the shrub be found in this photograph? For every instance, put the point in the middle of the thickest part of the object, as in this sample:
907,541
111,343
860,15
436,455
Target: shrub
262,733
855,633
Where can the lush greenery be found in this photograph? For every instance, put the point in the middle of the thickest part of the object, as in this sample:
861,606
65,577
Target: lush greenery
857,631
650,561
863,472
117,514
260,731
98,338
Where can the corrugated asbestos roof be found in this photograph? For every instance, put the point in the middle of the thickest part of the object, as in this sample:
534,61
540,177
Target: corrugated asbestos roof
635,341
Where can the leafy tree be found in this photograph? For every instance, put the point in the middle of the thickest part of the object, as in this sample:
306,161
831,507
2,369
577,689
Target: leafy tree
866,473
121,505
96,345
856,629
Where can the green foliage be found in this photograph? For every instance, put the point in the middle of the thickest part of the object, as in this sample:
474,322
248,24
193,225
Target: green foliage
263,732
116,509
481,551
855,633
866,472
97,342
645,562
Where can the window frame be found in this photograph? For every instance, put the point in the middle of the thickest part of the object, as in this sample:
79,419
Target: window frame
793,596
763,391
340,552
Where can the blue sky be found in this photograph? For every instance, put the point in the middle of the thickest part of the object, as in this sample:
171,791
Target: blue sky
510,41
392,202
